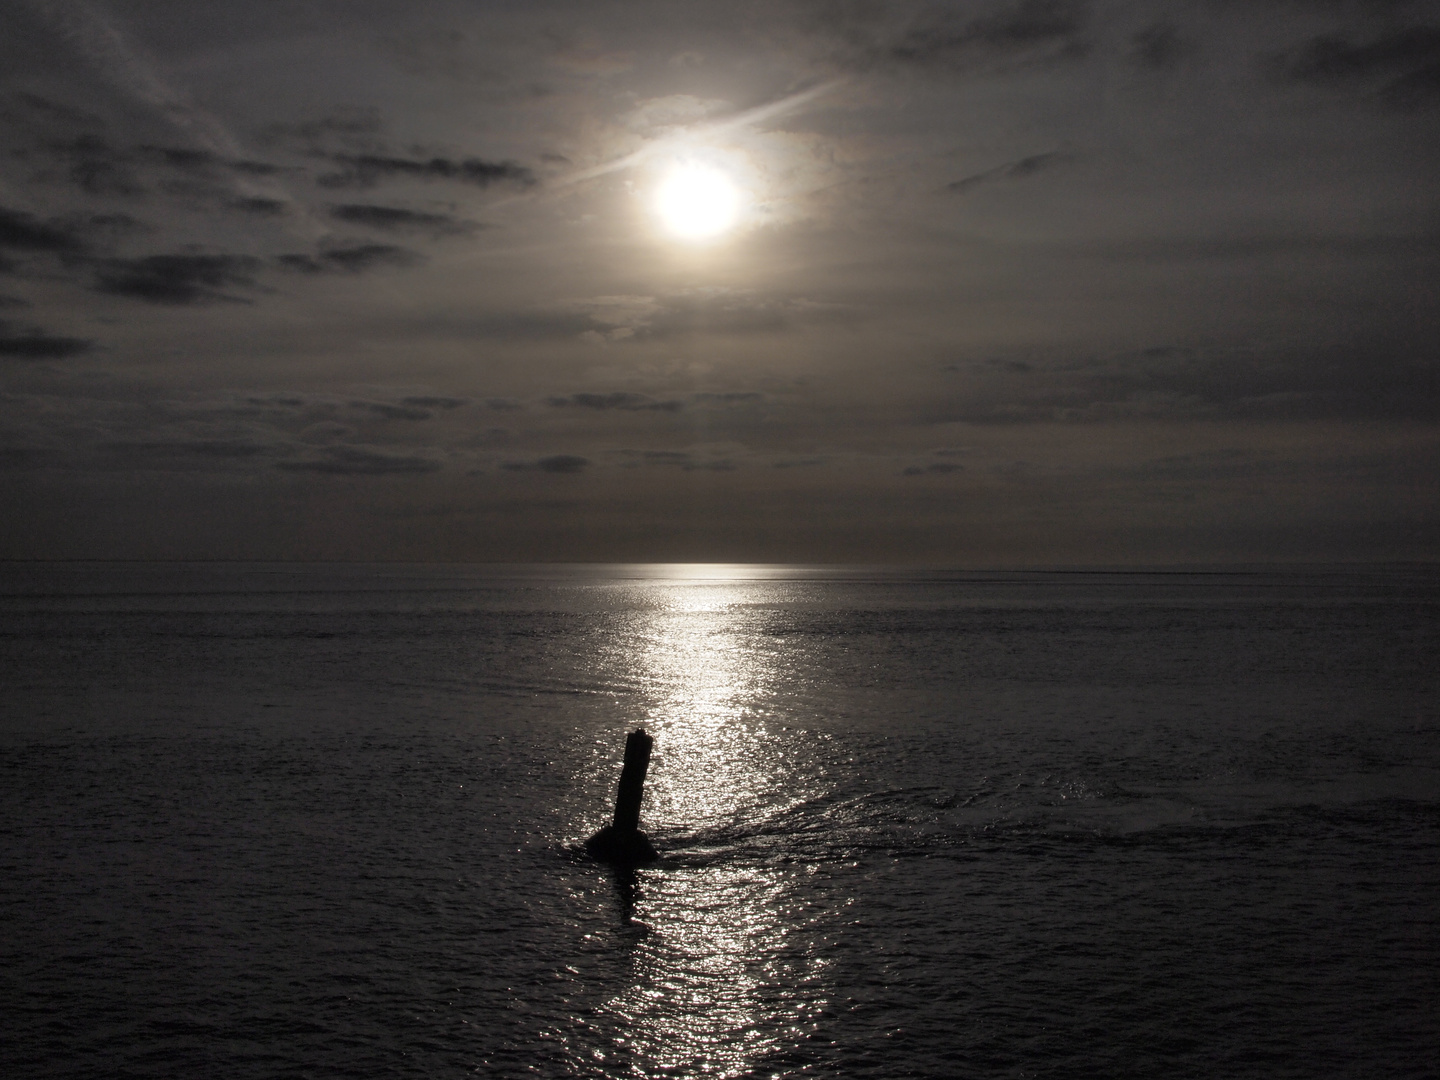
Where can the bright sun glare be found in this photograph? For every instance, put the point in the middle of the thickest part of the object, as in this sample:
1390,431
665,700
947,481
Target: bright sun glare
697,202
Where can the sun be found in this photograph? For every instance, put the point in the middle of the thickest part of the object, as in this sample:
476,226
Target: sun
697,202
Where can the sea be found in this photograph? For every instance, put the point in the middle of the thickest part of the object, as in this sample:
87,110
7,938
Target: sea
263,820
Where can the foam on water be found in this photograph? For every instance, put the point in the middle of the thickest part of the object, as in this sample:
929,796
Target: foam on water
267,821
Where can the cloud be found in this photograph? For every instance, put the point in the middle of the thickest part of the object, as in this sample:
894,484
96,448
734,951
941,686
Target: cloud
256,168
1027,32
1358,381
799,463
665,457
1012,170
681,459
394,412
1159,47
591,58
351,460
204,448
189,159
715,310
350,260
20,231
1406,61
657,115
395,219
556,463
618,400
180,157
731,397
1027,26
72,239
32,343
176,279
256,205
96,167
425,401
54,113
353,126
367,170
286,401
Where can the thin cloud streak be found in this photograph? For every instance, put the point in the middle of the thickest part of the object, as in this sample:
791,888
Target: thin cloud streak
695,133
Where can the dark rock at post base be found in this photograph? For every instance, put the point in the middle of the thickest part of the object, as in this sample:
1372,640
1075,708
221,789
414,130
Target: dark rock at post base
627,847
623,842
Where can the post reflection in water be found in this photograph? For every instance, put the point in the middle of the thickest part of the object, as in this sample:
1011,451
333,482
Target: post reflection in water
717,977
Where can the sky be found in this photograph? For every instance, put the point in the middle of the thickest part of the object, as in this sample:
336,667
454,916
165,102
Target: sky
1032,282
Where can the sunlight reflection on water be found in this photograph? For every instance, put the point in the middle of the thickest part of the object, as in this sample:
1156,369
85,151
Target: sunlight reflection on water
714,984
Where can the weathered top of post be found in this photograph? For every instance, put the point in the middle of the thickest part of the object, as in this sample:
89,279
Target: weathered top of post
638,741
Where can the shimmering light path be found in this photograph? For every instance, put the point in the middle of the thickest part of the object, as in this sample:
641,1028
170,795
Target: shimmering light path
703,998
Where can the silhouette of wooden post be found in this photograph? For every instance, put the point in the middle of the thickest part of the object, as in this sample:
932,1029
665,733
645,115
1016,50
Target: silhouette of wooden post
632,779
623,842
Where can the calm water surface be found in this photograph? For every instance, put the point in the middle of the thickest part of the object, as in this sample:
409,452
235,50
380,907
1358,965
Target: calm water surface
325,821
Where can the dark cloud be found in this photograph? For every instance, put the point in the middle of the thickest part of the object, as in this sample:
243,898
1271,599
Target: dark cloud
256,168
263,207
25,232
556,463
394,412
731,397
32,343
425,401
944,38
799,463
350,260
57,113
620,400
1361,382
1160,47
114,224
351,460
395,219
199,447
1422,245
933,468
367,170
192,160
1414,90
74,239
179,157
1012,170
711,465
697,311
288,401
1407,62
177,279
562,463
98,168
680,459
355,127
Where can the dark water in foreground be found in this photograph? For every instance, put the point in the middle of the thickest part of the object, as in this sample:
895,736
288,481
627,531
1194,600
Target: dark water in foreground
262,821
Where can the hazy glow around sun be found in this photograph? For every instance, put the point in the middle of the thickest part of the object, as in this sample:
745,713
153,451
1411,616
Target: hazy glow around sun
697,202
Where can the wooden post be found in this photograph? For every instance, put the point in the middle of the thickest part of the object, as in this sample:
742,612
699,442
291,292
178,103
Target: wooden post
622,842
632,780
